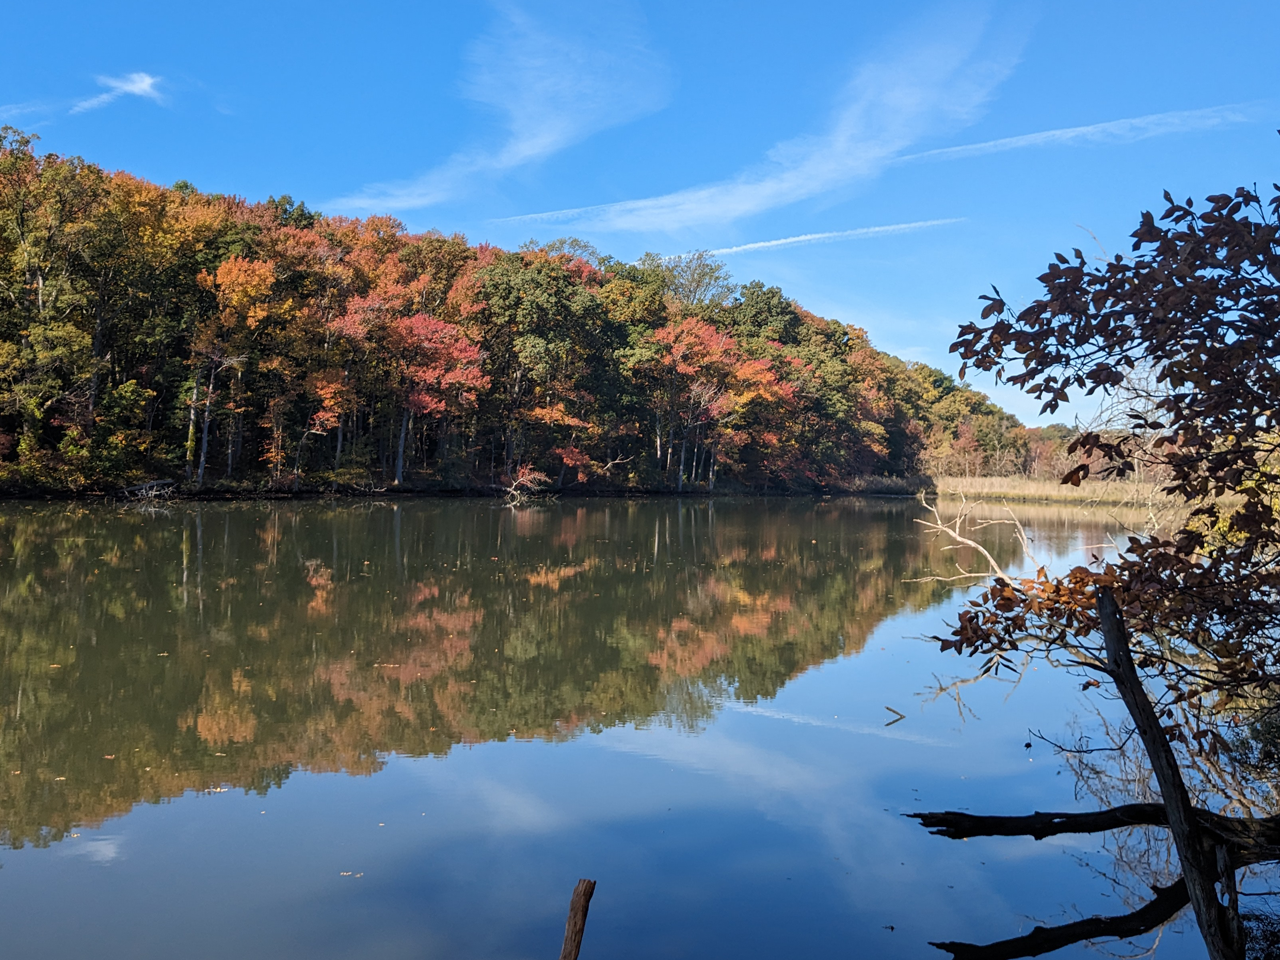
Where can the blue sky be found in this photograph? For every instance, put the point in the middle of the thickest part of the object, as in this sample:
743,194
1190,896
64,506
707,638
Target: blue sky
941,147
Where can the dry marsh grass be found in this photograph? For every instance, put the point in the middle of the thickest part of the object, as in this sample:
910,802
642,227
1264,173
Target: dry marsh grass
1092,492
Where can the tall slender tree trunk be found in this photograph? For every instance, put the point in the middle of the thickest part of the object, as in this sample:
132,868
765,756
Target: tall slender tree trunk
404,430
711,471
680,479
191,429
383,445
231,448
297,460
337,455
99,336
509,452
204,437
442,441
235,435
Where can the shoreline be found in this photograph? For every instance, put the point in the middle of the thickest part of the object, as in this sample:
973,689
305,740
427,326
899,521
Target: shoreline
1013,489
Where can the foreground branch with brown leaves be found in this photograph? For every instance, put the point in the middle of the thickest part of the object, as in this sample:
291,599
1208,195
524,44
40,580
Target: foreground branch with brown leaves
1185,629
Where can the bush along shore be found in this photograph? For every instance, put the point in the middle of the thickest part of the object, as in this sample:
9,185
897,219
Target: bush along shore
157,339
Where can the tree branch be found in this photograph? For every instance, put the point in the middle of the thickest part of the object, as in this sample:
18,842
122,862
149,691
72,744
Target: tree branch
1168,901
960,826
1248,840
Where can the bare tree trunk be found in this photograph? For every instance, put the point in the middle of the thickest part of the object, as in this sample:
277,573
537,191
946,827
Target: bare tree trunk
297,460
1203,865
404,429
442,441
509,459
231,448
337,455
204,437
191,429
680,479
383,445
99,338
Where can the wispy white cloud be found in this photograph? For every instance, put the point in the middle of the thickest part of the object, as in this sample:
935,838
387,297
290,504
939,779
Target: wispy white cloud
11,111
1112,131
836,235
927,86
727,758
134,85
555,84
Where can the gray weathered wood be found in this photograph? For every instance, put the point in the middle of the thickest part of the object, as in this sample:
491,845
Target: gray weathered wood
577,922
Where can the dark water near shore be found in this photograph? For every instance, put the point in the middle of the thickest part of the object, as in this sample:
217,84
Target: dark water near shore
406,730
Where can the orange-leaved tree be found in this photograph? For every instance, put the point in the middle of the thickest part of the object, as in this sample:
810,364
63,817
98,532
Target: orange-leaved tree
703,387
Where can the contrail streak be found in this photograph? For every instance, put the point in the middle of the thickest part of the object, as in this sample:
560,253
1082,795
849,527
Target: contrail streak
837,235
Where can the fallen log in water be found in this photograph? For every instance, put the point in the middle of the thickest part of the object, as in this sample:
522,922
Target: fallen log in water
1168,901
1242,842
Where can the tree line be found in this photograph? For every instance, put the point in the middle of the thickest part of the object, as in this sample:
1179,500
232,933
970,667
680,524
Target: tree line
161,333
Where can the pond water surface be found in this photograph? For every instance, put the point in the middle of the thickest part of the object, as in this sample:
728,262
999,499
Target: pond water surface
405,730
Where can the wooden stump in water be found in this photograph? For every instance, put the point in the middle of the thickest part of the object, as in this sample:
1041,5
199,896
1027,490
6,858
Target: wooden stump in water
577,922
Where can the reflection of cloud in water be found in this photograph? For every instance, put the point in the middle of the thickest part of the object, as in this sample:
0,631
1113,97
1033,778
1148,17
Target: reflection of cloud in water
718,755
492,805
512,809
861,728
102,850
833,802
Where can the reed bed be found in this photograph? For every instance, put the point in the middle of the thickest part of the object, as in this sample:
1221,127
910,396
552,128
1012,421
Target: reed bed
1091,492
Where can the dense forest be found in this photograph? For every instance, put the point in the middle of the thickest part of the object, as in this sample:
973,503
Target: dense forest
161,333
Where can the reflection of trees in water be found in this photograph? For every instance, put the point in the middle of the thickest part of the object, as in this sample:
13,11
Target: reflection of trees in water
144,656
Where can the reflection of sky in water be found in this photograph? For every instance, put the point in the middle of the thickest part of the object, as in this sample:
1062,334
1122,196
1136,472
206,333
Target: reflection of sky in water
773,830
99,848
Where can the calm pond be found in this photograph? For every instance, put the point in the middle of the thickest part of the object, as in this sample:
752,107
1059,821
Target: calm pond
405,730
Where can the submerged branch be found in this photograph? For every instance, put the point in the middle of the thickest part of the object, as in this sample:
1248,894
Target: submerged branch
1249,841
1163,908
960,826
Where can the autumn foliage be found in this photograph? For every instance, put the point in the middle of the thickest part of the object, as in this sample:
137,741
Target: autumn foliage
160,333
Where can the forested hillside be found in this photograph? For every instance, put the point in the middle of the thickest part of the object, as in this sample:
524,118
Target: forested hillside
162,333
